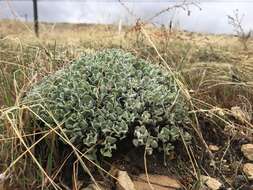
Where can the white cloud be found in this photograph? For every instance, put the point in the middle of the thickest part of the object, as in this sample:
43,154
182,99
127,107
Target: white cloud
212,17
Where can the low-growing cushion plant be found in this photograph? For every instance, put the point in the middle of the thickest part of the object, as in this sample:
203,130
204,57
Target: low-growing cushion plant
111,95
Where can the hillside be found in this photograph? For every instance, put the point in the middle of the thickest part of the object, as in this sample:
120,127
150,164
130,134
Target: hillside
214,72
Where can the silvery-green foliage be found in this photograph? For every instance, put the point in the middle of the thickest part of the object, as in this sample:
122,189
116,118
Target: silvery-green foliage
106,97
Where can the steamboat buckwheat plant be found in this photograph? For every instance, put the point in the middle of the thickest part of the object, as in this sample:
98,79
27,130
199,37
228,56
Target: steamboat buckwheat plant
106,97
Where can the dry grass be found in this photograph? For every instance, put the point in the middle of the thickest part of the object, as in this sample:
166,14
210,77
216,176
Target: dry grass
214,70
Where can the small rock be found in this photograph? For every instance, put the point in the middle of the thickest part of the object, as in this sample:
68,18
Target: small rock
214,148
124,181
95,187
2,186
211,183
248,170
145,186
158,182
247,150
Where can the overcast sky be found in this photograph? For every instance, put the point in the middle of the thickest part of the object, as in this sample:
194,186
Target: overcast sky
211,18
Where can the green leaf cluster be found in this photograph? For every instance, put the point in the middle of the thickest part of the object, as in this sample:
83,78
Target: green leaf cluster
111,95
